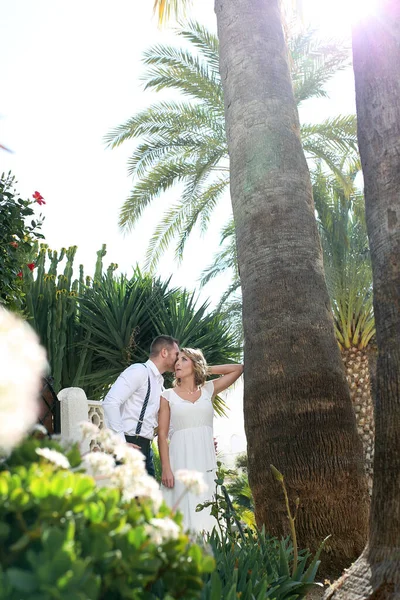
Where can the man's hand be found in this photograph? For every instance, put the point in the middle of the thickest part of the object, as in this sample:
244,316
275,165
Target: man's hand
167,478
133,446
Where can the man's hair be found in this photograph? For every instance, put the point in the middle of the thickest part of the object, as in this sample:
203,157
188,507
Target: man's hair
160,342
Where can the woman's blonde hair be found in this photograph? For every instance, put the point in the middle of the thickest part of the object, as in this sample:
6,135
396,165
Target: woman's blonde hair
199,366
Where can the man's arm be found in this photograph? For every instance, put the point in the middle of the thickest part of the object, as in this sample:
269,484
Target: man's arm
130,381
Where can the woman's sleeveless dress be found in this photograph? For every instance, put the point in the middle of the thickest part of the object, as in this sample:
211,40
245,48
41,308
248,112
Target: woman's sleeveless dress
192,447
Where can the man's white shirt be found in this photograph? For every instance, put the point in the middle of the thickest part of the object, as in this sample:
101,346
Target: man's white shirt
123,404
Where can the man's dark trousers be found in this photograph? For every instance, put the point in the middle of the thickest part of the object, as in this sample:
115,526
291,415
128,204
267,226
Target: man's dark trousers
147,450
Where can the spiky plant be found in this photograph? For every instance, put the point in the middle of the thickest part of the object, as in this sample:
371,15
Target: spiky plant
184,142
347,264
122,316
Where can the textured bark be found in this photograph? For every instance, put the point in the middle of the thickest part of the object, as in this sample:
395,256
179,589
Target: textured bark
376,53
298,413
359,365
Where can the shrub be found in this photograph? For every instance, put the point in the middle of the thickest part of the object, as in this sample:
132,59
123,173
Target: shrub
62,536
16,238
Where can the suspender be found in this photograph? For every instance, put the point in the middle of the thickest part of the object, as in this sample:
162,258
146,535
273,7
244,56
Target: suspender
145,403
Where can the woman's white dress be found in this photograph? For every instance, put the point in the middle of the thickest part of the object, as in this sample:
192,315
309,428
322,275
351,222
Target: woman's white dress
192,447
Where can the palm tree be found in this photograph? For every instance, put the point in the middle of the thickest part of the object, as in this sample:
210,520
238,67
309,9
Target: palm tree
347,265
185,142
298,412
376,54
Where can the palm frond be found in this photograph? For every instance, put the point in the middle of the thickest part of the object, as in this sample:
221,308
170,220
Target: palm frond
166,9
314,62
346,260
205,42
175,68
226,258
162,177
184,142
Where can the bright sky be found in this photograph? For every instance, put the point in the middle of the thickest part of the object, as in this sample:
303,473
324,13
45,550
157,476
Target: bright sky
70,72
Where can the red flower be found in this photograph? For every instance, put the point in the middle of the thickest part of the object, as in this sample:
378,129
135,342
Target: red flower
19,274
31,266
14,244
39,198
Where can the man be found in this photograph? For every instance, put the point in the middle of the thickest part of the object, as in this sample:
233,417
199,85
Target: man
132,404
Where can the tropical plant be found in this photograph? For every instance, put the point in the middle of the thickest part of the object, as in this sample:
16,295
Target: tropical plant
184,142
51,304
347,265
123,316
94,329
65,536
376,574
250,563
18,230
294,380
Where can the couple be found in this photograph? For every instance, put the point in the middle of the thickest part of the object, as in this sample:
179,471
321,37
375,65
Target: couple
137,402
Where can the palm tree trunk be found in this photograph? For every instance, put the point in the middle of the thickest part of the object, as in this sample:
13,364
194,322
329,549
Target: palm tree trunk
298,413
359,366
376,54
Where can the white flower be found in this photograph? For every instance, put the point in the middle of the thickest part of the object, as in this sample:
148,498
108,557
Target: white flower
192,480
98,463
130,456
55,457
108,440
162,530
145,487
23,363
88,430
39,428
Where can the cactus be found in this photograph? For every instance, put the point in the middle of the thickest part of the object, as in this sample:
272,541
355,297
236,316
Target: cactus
51,307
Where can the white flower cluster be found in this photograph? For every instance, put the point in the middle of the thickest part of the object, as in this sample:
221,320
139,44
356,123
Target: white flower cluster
162,530
54,457
121,465
192,480
98,464
23,363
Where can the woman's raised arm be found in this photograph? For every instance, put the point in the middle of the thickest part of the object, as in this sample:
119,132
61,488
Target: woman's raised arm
230,373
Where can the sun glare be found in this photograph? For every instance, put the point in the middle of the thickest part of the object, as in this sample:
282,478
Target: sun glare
334,19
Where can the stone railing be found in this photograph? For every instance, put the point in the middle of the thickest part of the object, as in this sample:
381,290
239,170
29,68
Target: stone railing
74,408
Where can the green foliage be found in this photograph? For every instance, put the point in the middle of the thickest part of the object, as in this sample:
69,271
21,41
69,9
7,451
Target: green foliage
256,566
157,462
251,564
184,142
347,264
16,238
94,329
62,537
51,305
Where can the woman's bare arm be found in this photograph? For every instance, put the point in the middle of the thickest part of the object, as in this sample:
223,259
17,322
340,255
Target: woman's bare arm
230,373
164,416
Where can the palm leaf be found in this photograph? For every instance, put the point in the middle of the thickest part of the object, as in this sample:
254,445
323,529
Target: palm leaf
184,142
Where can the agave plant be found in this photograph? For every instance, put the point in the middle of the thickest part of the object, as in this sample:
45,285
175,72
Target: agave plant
184,142
122,316
94,328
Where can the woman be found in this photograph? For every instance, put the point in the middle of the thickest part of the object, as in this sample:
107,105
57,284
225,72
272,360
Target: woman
186,411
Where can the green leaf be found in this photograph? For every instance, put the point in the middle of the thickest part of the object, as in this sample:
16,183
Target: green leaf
283,560
4,531
22,581
216,587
